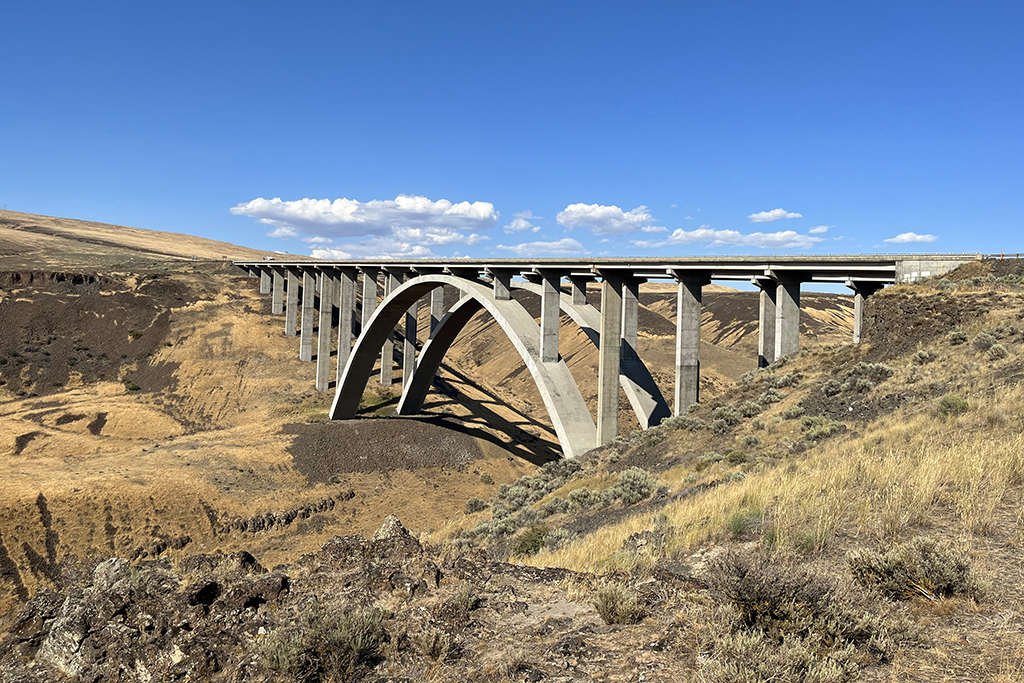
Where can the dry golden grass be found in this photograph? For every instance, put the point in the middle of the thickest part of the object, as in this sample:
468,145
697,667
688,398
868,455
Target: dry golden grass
899,474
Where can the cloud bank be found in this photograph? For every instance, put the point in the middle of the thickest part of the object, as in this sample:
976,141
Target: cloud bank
604,220
562,247
905,237
786,239
351,218
773,215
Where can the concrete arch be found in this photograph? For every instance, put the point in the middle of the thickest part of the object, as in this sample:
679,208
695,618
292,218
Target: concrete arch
569,414
644,396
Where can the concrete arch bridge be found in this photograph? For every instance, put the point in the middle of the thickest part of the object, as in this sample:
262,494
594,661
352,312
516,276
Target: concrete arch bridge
312,294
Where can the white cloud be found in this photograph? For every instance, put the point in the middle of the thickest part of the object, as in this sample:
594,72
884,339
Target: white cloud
562,247
351,218
820,229
673,206
905,237
604,220
687,218
528,215
284,232
317,240
435,237
520,224
654,228
786,239
375,248
773,215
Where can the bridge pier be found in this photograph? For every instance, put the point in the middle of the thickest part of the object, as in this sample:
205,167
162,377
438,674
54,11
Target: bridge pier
689,299
501,280
409,343
609,356
787,317
323,333
861,291
436,307
630,319
579,288
346,289
306,324
264,281
291,303
766,322
549,315
277,293
387,354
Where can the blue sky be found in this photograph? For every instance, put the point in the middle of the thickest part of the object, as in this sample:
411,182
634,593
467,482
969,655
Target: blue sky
523,129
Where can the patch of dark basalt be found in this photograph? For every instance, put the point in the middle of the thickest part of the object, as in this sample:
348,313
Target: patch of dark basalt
851,407
322,450
22,441
68,418
898,323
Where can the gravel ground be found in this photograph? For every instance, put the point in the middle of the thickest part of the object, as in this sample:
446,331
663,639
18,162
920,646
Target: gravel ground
324,449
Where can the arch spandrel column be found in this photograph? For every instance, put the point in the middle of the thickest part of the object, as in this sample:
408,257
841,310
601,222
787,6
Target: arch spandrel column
569,414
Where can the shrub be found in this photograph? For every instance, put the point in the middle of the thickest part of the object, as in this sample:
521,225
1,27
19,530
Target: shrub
585,498
475,505
783,600
618,604
754,658
923,357
554,506
792,412
134,334
757,424
743,520
951,404
692,424
876,372
632,486
816,429
956,338
997,351
132,386
858,385
832,387
513,496
983,342
751,441
325,646
720,426
770,396
736,457
433,643
558,538
729,414
530,541
920,567
487,479
751,409
780,381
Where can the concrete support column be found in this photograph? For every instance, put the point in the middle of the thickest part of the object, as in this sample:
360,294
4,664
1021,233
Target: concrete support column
630,320
787,318
291,304
409,346
549,313
264,281
766,323
387,355
346,289
436,307
579,289
608,361
306,322
502,286
323,333
277,294
369,294
861,291
688,308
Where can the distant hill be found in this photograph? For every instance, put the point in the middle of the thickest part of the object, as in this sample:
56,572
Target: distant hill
49,242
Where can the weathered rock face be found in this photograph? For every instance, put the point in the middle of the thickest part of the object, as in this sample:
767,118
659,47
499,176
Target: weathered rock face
215,617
